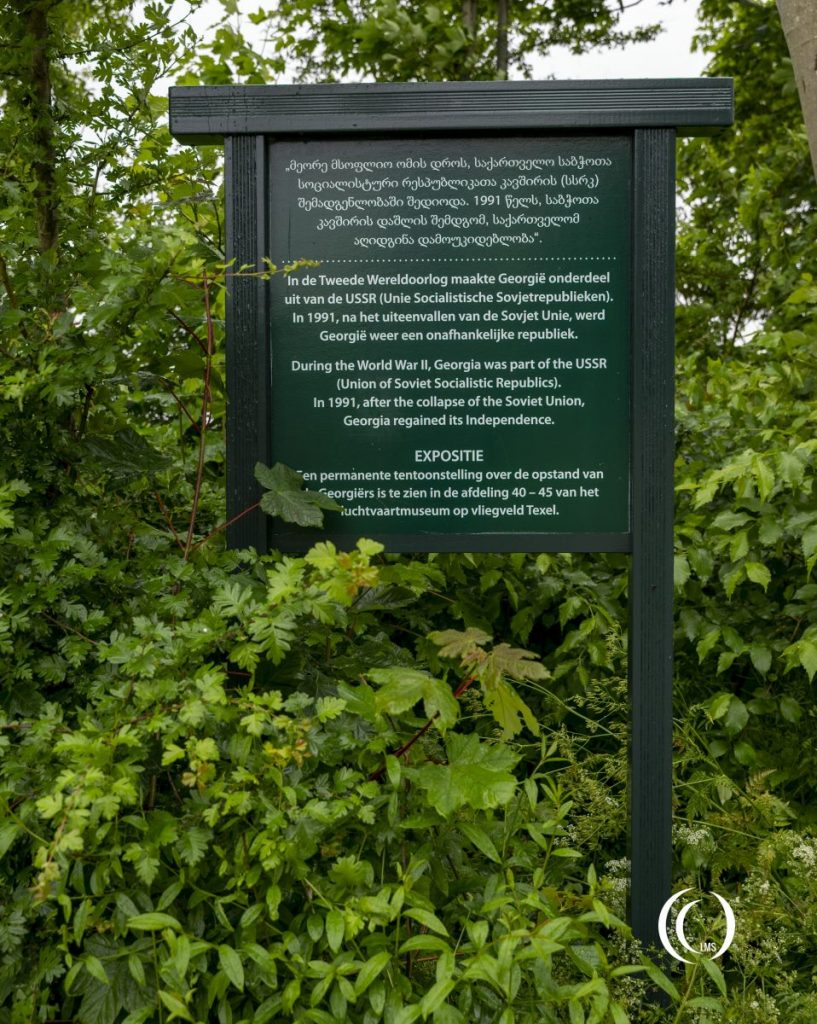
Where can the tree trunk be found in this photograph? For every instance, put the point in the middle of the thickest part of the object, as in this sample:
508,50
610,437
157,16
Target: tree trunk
469,16
45,157
799,19
502,38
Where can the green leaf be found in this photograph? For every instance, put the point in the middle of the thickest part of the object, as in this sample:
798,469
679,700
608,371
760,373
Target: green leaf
448,1014
715,973
736,717
193,843
657,977
809,543
370,548
9,830
286,498
169,895
729,520
141,1015
745,753
481,840
231,965
478,775
477,932
424,943
94,967
709,640
436,995
153,922
401,688
360,700
290,994
807,654
99,1004
394,769
370,970
329,708
718,705
626,969
758,573
513,662
764,477
618,1014
125,454
702,562
570,608
426,918
791,468
732,577
770,531
509,709
705,1003
335,929
790,710
681,570
136,969
455,643
175,1005
407,1015
761,658
739,547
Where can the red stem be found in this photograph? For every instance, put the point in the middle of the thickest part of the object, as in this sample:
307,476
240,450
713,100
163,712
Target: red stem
460,690
168,519
223,526
189,330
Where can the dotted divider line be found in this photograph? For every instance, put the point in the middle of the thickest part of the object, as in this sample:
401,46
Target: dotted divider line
467,259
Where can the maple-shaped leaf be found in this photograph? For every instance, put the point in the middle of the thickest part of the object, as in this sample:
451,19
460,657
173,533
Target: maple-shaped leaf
456,643
513,662
509,709
401,688
285,497
323,555
500,698
478,775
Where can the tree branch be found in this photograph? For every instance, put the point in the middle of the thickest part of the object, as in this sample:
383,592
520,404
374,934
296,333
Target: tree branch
502,38
5,277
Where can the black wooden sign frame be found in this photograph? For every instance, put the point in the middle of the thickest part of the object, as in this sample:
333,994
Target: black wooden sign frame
652,113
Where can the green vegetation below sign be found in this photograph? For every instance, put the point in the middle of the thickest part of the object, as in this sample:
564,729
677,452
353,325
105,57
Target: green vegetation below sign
457,360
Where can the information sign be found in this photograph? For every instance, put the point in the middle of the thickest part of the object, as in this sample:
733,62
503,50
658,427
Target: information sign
458,359
475,349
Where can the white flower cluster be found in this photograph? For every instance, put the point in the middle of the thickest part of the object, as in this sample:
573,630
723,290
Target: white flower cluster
617,884
698,838
806,852
765,1009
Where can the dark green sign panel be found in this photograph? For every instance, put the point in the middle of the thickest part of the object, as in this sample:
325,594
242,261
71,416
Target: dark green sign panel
458,359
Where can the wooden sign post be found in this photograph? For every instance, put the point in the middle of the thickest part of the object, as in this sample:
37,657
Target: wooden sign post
475,352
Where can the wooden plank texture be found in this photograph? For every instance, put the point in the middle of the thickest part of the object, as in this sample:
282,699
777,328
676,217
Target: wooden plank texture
650,644
206,114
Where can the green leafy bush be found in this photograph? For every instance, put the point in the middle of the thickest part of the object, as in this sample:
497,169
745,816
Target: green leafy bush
223,826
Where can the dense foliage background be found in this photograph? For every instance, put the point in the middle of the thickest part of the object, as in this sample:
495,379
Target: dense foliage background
357,787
